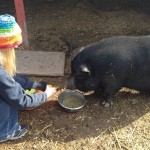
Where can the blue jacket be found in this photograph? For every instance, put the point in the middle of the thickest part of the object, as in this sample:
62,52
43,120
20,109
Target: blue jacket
12,93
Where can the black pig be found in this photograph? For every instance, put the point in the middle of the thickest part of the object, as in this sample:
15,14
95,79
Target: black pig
111,64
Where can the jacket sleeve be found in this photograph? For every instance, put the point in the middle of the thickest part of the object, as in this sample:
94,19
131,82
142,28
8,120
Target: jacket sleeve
12,93
24,81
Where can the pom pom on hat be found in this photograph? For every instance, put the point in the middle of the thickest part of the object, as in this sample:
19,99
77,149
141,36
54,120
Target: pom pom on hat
10,32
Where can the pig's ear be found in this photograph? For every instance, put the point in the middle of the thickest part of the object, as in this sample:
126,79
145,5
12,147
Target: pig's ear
85,69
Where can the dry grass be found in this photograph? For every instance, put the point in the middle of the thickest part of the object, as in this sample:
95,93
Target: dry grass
135,136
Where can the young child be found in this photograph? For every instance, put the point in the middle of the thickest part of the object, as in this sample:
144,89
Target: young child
12,87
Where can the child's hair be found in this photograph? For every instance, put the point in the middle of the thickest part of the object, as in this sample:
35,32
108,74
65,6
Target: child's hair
8,60
10,38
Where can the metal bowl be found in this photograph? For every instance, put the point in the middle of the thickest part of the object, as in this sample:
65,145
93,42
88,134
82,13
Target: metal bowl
71,101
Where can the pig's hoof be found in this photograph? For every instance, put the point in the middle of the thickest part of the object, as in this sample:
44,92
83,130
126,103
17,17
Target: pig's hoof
111,103
106,104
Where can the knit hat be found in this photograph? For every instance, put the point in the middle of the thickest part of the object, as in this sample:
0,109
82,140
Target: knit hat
10,32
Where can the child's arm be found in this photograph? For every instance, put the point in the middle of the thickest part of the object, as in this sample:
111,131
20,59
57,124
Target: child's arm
24,81
28,84
13,94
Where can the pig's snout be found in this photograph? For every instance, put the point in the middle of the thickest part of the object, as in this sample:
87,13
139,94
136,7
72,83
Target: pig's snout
70,83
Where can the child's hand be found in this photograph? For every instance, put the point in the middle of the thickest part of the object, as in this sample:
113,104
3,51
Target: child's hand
50,91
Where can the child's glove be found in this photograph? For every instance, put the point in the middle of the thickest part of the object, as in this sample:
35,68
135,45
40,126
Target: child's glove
39,85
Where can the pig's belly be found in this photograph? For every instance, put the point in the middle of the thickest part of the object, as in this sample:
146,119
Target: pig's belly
141,84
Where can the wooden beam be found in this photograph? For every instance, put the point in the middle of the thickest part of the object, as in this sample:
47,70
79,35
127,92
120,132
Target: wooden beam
19,6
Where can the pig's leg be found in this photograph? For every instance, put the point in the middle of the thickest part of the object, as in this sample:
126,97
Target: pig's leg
99,92
107,100
108,96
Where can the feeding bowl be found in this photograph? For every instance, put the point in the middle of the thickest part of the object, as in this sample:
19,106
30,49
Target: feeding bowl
71,101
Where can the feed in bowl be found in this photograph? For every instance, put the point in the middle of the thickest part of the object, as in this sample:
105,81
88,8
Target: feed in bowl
71,100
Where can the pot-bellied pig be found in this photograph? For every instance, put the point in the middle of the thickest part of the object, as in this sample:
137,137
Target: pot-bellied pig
111,64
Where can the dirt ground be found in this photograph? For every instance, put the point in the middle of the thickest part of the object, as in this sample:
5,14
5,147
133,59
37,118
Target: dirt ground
63,25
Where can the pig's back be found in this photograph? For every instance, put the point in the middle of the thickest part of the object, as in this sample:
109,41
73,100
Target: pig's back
125,58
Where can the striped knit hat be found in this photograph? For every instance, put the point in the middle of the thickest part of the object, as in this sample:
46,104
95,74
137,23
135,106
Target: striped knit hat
10,32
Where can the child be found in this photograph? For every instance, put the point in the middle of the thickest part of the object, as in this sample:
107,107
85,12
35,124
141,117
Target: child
12,95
